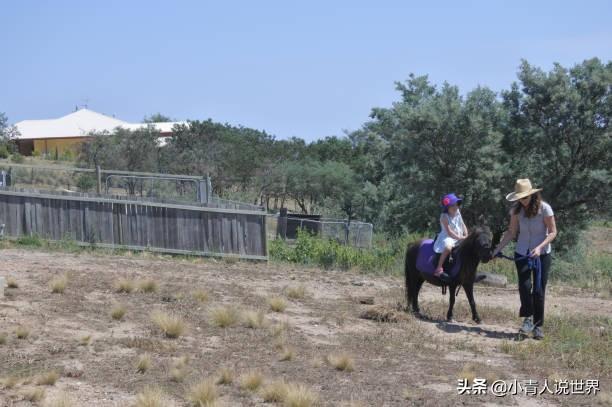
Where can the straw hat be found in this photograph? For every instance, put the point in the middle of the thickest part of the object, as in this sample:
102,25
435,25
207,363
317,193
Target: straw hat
522,188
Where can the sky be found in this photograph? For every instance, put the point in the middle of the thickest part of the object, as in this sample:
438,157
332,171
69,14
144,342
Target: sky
306,69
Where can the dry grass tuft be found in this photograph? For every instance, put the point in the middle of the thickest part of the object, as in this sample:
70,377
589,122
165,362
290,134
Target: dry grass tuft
47,379
279,329
179,370
3,338
299,395
224,316
118,312
58,284
277,304
147,285
61,400
151,397
381,313
253,319
296,293
22,332
468,372
172,326
287,354
144,363
251,381
225,375
124,285
34,394
9,382
200,295
203,394
85,340
275,392
11,283
341,362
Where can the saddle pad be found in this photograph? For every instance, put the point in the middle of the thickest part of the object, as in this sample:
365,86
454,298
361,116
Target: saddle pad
426,260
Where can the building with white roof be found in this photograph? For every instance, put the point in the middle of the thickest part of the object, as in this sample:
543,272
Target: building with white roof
56,136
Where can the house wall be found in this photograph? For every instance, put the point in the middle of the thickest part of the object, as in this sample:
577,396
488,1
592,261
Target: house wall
58,145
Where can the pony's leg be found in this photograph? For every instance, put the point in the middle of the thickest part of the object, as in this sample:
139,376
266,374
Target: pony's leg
415,299
469,292
452,290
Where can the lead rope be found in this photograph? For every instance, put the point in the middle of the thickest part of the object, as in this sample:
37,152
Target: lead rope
533,263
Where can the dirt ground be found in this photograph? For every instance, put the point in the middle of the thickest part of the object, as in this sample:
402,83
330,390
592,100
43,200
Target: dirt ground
410,362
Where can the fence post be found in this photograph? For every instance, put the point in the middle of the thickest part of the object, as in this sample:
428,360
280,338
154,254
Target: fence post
98,180
282,223
208,189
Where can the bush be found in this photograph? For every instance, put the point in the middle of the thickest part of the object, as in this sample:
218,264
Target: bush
385,257
4,152
17,158
85,182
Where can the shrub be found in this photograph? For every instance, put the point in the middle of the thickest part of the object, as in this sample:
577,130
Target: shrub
172,326
225,375
47,379
200,295
35,394
124,285
251,381
11,283
17,158
30,240
299,395
85,182
4,152
144,363
22,332
58,284
203,394
275,392
118,312
296,293
277,304
253,319
147,285
224,316
151,397
341,362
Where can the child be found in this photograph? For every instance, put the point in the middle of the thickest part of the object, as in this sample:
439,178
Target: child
452,231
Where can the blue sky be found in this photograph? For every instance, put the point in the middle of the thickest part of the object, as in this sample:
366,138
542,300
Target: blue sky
308,69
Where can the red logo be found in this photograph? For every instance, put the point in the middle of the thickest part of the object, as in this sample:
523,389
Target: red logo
446,201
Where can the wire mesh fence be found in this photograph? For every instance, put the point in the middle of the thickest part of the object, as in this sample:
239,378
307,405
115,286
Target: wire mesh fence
354,233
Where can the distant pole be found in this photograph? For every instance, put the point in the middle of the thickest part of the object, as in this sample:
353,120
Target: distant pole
98,180
282,223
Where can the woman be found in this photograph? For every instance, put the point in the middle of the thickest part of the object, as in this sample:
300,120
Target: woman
534,222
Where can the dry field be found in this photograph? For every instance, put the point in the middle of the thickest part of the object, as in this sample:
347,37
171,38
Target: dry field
96,329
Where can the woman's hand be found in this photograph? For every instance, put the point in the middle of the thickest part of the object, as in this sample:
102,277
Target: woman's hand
535,252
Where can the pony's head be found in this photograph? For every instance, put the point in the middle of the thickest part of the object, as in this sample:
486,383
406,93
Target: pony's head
482,243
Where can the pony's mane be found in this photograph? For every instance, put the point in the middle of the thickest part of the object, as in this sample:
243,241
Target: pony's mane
468,241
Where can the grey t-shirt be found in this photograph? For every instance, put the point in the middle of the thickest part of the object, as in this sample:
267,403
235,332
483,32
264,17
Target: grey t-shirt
533,231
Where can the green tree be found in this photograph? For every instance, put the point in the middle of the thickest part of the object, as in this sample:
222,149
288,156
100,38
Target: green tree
157,118
432,142
558,134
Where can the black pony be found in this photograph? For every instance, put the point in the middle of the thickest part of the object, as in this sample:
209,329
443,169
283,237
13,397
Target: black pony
472,250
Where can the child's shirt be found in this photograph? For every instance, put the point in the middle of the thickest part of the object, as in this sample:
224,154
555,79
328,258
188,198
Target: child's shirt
455,223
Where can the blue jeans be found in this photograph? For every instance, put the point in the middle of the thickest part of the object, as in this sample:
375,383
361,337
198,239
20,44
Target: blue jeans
532,304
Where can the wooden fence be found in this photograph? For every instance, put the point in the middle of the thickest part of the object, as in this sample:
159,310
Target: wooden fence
135,224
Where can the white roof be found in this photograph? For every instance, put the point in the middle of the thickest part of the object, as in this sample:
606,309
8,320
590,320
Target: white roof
79,124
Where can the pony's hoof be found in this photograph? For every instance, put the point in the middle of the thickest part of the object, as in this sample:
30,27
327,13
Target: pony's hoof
450,320
477,320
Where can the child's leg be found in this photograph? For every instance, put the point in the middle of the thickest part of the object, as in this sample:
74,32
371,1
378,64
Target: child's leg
443,256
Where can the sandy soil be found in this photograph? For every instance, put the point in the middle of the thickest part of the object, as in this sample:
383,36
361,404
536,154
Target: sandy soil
411,362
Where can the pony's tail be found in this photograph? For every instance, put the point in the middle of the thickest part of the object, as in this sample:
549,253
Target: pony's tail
407,278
